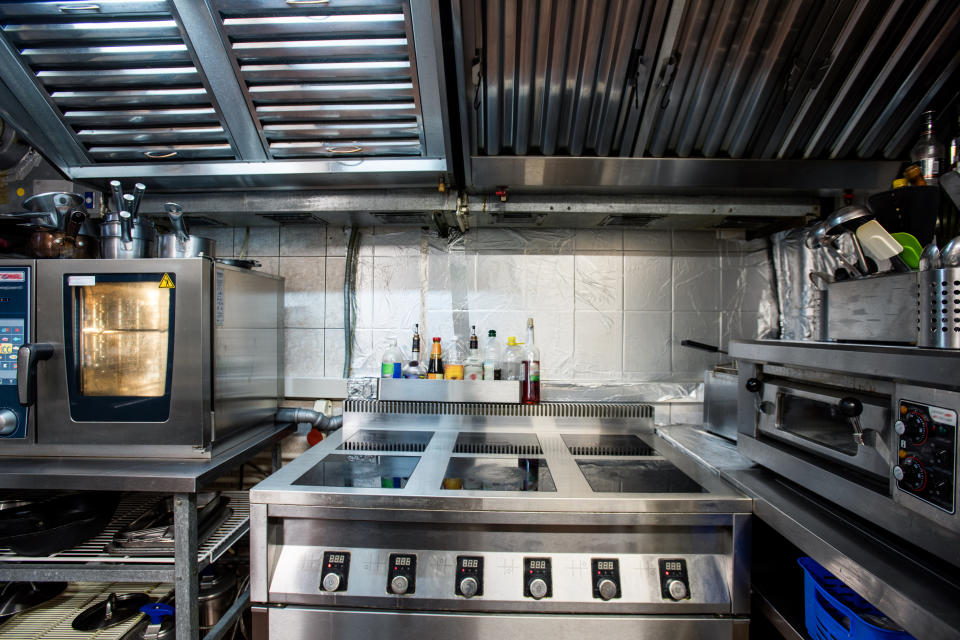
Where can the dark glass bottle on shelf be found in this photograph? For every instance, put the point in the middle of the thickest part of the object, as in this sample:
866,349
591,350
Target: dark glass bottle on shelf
414,368
435,370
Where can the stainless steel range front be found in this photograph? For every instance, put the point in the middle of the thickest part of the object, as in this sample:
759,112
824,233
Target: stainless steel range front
455,519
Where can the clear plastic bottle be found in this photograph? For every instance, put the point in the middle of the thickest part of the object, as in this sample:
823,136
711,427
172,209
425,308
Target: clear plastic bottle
530,378
929,152
414,368
513,359
391,364
453,361
491,357
473,366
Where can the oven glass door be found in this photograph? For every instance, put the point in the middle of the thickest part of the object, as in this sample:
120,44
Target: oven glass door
118,344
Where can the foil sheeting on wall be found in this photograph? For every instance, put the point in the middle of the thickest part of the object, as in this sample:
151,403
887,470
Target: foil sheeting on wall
609,305
801,272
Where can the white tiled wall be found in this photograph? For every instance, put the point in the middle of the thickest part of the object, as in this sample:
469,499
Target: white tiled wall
608,304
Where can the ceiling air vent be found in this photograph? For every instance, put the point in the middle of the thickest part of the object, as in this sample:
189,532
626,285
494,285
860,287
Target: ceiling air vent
519,218
293,218
120,75
402,218
628,220
326,80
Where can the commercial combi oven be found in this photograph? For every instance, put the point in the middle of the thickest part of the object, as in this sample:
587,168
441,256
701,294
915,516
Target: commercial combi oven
136,358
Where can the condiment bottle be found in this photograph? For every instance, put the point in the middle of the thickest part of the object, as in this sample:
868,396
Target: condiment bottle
928,152
491,357
414,368
530,378
435,370
473,367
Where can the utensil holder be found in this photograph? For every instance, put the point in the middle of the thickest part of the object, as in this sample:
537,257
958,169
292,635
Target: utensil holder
939,297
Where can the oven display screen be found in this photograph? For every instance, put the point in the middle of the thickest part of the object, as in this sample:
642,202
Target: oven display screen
11,339
402,561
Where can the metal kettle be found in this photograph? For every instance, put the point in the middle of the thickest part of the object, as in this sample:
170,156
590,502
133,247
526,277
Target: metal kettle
180,244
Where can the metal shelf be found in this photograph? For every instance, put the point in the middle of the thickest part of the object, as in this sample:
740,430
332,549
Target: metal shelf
53,620
90,560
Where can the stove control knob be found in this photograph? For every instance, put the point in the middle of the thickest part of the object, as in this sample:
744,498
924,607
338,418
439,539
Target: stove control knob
900,427
538,588
8,422
677,590
607,589
469,587
399,585
942,457
898,473
331,581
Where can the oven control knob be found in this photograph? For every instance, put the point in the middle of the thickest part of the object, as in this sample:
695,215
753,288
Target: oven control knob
469,587
399,585
607,589
754,386
677,590
331,581
898,473
538,588
8,422
900,427
942,457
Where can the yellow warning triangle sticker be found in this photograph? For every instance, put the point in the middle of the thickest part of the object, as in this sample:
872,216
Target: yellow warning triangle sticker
166,282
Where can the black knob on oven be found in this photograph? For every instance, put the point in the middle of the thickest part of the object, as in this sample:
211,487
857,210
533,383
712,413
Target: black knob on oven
850,407
754,385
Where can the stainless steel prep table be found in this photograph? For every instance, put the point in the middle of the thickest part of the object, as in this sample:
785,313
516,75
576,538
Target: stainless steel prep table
916,596
183,478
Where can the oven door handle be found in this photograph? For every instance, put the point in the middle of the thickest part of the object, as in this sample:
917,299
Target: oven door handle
27,358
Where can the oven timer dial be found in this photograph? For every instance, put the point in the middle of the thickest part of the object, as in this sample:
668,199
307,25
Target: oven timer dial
911,474
8,422
914,427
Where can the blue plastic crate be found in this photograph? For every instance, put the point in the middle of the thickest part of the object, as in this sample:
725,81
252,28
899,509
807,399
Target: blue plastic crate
834,611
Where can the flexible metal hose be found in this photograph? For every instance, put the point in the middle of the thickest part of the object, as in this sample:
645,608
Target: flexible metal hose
350,298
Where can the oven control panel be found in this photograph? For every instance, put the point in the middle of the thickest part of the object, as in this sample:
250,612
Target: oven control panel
503,581
335,572
468,580
605,573
14,333
402,574
537,582
927,453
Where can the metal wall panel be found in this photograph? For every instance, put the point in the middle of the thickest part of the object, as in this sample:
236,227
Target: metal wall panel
786,79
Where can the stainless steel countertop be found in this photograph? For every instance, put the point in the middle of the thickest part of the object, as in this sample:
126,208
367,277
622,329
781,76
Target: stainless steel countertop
936,367
916,596
126,474
423,491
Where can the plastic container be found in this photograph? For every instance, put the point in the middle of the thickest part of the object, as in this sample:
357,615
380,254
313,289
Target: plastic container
453,361
491,357
513,360
391,364
834,611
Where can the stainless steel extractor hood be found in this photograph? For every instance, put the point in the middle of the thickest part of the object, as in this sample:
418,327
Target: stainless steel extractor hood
228,93
700,94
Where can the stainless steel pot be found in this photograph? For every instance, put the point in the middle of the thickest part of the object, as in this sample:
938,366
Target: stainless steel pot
141,243
217,588
172,246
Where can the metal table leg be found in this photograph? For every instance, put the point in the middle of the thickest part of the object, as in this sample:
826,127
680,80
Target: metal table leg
187,585
277,460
